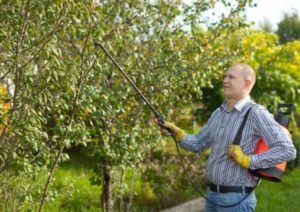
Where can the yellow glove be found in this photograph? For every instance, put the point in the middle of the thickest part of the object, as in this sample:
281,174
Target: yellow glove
176,132
236,153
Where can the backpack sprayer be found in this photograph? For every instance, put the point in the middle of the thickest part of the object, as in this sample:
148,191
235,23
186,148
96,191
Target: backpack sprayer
274,173
281,118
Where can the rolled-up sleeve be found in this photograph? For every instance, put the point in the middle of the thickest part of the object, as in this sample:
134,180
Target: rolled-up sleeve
281,147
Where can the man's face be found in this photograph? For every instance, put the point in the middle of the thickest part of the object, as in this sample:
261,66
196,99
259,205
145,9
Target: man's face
234,83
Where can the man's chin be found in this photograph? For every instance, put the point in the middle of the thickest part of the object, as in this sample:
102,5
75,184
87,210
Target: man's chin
226,94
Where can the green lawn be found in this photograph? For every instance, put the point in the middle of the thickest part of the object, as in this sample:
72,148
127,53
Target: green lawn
72,179
78,194
280,197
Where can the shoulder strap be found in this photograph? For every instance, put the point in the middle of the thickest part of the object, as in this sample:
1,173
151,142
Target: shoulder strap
238,136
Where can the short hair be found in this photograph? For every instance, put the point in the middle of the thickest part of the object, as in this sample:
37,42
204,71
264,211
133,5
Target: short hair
247,70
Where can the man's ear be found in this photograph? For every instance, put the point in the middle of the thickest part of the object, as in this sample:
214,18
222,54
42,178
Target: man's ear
248,83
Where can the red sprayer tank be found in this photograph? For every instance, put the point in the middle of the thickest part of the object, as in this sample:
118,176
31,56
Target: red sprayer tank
274,173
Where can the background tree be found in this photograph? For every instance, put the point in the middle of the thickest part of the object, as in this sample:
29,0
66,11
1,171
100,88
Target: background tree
277,68
266,25
289,28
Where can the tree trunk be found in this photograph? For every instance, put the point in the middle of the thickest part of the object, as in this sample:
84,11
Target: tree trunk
106,196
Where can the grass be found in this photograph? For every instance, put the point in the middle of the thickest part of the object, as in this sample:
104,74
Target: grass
77,194
280,197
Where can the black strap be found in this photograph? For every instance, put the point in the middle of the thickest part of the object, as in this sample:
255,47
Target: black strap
238,137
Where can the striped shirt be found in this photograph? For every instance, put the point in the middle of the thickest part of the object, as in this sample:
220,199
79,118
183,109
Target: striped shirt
219,133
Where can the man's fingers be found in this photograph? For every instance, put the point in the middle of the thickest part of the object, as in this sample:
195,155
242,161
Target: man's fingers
232,151
165,132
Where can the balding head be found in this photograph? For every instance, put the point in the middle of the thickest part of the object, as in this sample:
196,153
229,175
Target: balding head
248,72
239,81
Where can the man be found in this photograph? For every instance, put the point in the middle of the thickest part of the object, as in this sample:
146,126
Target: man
228,165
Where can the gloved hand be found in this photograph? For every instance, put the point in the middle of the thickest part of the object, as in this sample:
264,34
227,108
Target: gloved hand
176,132
236,153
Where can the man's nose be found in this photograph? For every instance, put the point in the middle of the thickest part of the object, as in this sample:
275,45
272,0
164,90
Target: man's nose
225,79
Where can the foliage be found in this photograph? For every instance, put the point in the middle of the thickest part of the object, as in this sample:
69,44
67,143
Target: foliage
277,69
266,25
289,28
163,170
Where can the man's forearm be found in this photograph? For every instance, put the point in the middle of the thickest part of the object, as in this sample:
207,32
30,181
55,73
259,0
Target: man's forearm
272,157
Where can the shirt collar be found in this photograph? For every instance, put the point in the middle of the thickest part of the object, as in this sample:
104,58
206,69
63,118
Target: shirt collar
238,106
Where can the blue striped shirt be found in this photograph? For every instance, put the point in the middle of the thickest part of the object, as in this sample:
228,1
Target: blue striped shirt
219,132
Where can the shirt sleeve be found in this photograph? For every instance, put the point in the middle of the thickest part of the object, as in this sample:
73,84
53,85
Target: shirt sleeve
281,147
200,141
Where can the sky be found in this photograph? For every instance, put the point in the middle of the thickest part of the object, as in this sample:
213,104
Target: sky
272,10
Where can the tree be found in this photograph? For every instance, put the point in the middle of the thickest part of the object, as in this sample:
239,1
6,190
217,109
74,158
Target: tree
266,25
277,68
289,28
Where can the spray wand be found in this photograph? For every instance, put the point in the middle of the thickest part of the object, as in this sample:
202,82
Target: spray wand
160,121
158,118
